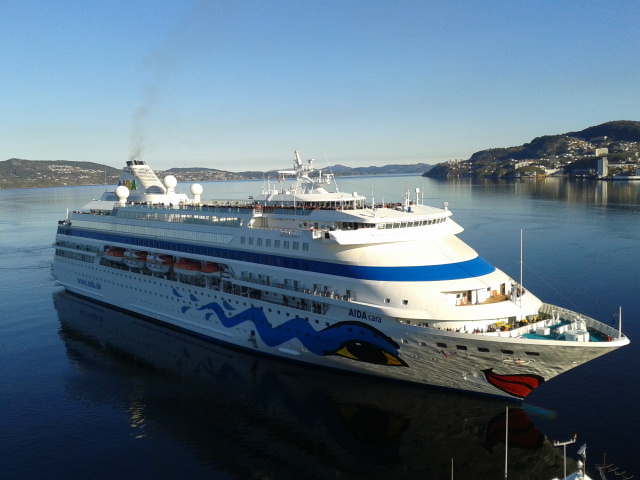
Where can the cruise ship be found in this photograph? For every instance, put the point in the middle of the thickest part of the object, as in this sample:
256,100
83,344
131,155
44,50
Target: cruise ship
307,273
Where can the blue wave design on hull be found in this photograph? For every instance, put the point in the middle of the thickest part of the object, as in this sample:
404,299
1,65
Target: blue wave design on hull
318,342
350,339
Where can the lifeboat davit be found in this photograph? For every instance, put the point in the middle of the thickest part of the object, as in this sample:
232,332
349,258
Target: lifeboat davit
190,268
135,259
159,263
114,254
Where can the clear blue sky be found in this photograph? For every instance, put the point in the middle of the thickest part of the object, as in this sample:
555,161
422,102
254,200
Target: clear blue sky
239,85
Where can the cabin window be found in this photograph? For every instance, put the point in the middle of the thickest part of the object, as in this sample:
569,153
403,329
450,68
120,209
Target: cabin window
276,243
268,242
296,245
242,240
533,354
405,302
507,352
461,347
441,345
259,242
285,244
305,246
387,300
483,349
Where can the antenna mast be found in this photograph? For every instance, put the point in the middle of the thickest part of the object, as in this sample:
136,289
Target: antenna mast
521,286
620,322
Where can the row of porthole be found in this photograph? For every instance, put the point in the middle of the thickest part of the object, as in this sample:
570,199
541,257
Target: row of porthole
215,297
486,350
123,274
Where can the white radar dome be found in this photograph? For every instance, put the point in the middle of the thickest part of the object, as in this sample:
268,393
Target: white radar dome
170,181
196,189
122,193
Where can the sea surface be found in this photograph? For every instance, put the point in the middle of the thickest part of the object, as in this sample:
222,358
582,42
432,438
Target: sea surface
89,392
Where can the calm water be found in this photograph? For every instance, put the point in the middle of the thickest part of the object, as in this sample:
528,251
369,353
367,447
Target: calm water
87,392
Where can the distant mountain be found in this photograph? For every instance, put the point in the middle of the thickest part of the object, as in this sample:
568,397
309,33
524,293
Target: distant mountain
568,151
394,169
550,145
19,173
618,131
209,174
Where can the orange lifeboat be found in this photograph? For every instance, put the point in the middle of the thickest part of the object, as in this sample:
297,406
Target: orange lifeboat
190,268
114,254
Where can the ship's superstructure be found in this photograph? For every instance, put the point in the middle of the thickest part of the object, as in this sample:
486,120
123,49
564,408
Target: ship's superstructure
308,273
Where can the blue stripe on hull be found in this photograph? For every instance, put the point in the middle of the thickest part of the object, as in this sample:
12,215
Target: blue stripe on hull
421,273
452,271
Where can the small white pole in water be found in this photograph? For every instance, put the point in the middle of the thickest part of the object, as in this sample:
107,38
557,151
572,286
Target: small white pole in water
506,443
564,448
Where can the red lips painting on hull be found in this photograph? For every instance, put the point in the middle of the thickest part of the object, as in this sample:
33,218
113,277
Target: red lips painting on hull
518,385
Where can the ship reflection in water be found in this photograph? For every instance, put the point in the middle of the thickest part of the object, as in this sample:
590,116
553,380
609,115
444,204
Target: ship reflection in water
253,417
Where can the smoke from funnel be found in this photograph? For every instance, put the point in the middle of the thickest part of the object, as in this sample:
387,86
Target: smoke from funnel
139,120
190,35
137,135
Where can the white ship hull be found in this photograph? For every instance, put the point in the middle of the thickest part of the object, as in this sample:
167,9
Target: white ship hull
389,292
236,320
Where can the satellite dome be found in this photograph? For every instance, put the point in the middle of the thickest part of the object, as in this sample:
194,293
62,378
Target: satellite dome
122,192
196,189
170,181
